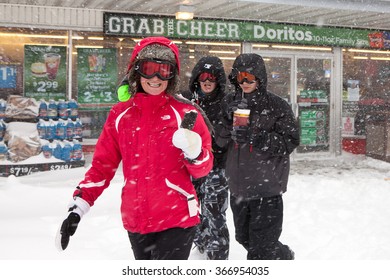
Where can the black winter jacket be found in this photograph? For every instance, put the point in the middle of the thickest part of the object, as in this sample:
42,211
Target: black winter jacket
211,103
260,167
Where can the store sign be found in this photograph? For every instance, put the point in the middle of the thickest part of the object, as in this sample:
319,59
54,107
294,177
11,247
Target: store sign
45,72
97,76
252,31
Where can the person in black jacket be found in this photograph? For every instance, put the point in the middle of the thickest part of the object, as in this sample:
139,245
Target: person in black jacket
207,88
258,163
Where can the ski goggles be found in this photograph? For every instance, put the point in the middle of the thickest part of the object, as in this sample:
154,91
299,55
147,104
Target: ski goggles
245,77
164,70
207,76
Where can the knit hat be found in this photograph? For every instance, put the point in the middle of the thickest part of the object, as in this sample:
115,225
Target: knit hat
149,48
156,51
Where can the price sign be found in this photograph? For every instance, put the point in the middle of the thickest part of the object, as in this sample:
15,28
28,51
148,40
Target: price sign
7,76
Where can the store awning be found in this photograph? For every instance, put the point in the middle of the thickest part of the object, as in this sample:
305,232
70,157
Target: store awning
370,14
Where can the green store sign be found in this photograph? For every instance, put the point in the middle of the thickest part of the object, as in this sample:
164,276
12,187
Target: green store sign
119,24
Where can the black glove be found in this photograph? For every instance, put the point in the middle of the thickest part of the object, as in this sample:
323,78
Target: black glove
68,228
240,134
236,104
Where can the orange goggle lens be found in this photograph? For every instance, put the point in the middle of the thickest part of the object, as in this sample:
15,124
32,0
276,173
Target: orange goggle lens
207,76
245,77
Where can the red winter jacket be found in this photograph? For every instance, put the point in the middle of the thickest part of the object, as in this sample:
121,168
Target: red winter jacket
139,133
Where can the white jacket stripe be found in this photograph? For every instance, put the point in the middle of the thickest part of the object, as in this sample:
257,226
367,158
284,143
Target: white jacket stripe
92,184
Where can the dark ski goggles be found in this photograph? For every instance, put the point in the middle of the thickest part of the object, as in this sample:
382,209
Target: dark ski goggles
245,77
165,70
207,76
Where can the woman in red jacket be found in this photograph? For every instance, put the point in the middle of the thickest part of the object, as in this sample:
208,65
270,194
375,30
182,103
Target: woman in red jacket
159,204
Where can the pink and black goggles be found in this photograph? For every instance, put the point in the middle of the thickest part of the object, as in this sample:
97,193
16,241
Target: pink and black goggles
207,76
149,68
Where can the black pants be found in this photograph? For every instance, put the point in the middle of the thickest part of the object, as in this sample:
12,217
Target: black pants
258,226
170,244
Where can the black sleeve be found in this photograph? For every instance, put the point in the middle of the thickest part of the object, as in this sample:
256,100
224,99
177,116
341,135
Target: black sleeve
223,127
284,137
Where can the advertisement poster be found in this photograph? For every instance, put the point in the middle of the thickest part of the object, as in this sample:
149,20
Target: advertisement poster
353,90
313,127
45,72
97,77
348,126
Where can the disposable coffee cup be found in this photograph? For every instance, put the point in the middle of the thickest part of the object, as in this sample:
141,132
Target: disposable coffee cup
241,117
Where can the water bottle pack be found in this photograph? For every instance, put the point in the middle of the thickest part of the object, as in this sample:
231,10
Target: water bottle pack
62,150
54,110
59,130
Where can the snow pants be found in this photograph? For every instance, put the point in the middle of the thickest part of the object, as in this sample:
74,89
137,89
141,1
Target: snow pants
258,226
170,244
212,234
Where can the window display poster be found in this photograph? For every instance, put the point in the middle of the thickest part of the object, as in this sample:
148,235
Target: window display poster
353,90
313,127
45,72
348,126
97,77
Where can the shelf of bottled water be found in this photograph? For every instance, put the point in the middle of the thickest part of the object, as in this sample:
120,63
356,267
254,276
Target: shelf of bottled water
60,130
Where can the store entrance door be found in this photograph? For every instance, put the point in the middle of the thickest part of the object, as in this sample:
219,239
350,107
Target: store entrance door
305,81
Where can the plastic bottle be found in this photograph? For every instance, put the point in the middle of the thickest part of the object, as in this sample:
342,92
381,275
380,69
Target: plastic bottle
52,110
73,109
3,151
66,152
78,130
62,109
51,130
2,130
61,130
42,129
69,130
43,110
57,149
47,150
77,151
3,105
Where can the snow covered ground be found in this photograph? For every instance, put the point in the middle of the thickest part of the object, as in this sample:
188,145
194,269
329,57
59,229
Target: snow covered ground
335,209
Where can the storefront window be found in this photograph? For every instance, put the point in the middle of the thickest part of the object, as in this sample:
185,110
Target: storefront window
18,43
366,99
302,75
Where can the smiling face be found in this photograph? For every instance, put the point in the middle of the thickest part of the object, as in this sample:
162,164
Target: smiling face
248,87
154,85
